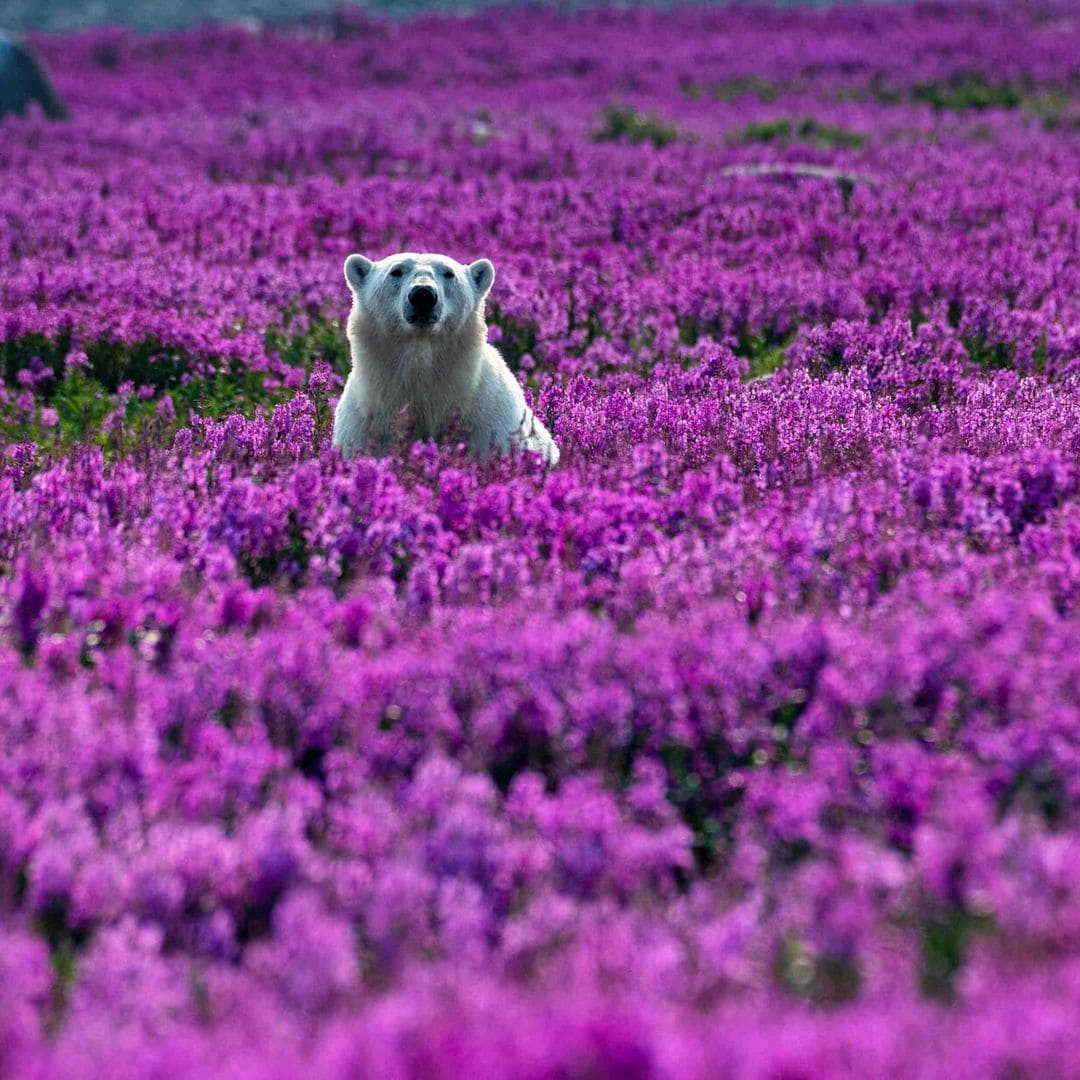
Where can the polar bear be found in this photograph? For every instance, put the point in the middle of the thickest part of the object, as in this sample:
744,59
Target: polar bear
419,343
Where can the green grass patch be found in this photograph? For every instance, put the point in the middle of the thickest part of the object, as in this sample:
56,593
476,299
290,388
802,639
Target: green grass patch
946,940
968,90
991,355
624,124
82,410
65,945
971,91
764,350
765,353
1055,110
322,338
123,394
807,130
733,89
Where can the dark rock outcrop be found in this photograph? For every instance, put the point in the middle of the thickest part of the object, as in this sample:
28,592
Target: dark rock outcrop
23,80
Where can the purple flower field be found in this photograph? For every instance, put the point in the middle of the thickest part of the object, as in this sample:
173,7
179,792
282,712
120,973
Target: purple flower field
744,743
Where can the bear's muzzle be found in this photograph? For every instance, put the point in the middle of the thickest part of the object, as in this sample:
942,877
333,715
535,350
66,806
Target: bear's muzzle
423,300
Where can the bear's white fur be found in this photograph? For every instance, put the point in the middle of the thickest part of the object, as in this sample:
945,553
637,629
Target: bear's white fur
430,358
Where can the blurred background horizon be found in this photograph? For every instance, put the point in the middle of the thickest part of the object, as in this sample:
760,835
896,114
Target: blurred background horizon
65,16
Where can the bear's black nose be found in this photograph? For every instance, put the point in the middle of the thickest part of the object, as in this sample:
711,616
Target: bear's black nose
423,298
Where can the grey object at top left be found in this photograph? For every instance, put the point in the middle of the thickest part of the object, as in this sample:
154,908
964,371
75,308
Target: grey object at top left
23,80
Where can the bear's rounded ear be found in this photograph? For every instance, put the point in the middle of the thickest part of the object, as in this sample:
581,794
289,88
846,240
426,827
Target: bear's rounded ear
356,269
482,276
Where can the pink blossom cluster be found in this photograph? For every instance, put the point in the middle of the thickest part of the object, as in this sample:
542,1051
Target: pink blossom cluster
746,742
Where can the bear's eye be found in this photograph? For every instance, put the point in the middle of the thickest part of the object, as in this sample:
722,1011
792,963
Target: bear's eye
448,274
396,272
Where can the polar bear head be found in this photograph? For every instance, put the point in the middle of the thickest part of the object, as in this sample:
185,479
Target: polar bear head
412,295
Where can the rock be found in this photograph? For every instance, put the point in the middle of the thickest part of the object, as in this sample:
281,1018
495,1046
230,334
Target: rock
23,80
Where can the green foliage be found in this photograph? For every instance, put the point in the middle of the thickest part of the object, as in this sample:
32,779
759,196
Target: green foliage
20,353
822,979
1039,791
687,794
764,131
992,355
733,89
698,788
64,945
885,94
968,90
971,91
945,942
1056,119
763,358
289,561
765,352
67,407
146,363
807,130
81,405
519,337
321,338
625,124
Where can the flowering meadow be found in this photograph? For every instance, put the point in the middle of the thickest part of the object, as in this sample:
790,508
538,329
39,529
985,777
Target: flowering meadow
746,742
